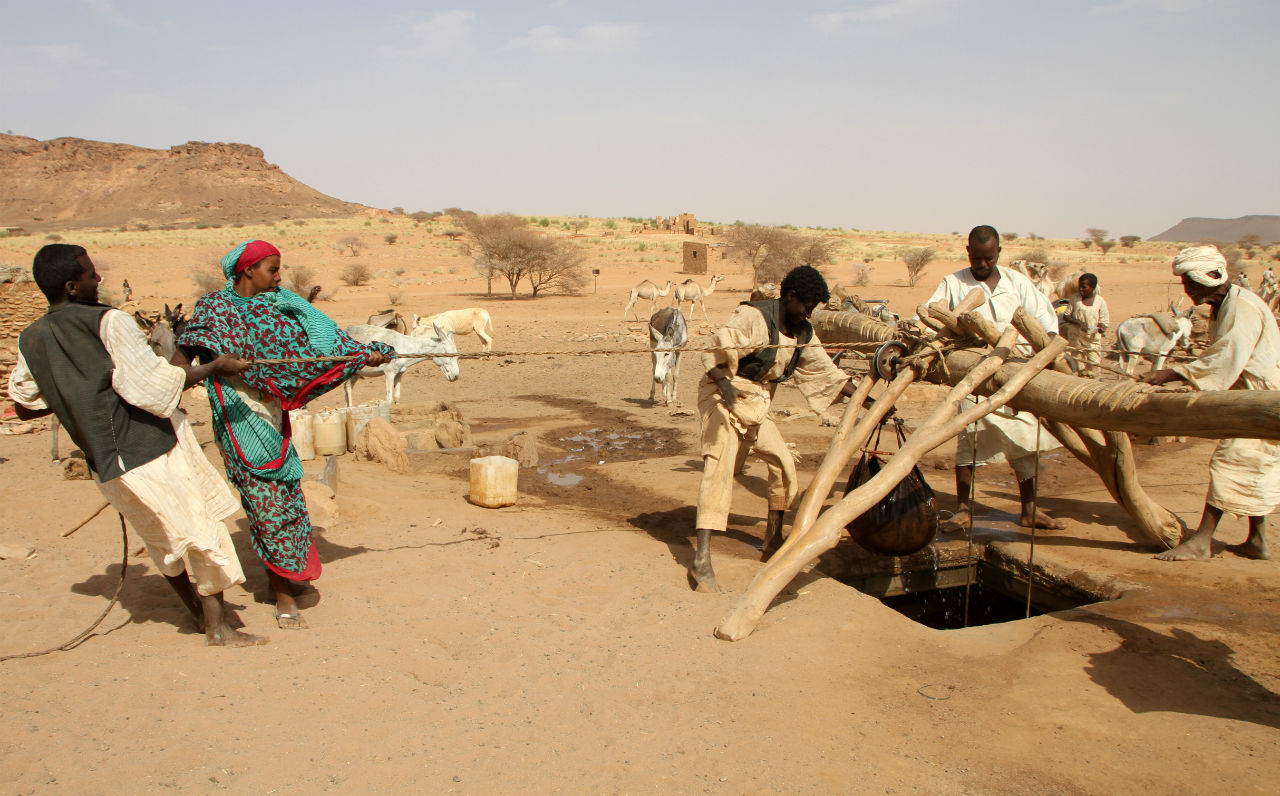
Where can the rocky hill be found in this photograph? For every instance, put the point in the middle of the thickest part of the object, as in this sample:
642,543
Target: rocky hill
67,183
1229,230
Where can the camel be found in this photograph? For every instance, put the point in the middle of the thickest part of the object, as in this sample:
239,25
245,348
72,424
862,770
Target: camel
694,293
1038,273
647,290
473,319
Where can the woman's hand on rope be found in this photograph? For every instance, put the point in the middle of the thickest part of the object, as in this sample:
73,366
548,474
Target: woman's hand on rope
227,365
377,358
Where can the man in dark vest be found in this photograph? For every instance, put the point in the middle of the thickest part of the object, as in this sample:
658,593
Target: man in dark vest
734,399
91,366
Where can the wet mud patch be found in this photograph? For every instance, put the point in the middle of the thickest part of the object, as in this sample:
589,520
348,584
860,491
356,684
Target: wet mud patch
571,457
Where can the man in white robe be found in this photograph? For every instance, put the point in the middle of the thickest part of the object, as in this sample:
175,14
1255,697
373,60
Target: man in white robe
1243,354
1003,435
150,469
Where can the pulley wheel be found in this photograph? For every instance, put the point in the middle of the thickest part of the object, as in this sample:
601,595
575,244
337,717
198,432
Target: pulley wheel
886,359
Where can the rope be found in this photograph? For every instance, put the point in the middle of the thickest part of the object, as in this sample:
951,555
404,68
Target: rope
1035,509
124,564
854,347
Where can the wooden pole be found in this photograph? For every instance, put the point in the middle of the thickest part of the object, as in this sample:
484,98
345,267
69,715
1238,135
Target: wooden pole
942,425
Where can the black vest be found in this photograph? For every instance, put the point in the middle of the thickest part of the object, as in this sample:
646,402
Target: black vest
72,368
753,366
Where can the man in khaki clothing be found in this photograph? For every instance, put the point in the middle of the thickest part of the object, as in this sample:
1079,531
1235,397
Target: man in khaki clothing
743,372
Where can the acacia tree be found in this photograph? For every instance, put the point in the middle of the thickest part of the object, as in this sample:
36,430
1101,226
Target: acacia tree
489,243
558,268
773,251
504,246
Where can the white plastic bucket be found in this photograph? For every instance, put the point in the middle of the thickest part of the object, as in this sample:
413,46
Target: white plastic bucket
304,441
493,481
329,434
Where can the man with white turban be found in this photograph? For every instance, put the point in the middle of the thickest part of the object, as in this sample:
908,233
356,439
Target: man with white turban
1244,354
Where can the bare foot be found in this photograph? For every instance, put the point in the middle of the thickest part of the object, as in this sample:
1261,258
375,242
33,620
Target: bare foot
223,636
1042,521
959,522
1251,548
1191,550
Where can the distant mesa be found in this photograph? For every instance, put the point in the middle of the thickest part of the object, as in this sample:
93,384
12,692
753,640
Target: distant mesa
1228,230
69,183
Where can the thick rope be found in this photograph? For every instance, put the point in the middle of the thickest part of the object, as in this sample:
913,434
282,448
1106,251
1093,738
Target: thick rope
124,564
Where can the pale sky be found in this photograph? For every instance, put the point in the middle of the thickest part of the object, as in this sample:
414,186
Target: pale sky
1043,116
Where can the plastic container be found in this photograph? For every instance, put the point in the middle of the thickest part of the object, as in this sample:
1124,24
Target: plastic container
359,416
329,434
304,440
493,481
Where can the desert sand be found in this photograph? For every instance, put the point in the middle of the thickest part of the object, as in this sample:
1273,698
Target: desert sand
555,645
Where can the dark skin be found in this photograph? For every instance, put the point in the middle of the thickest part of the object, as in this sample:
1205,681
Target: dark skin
1199,545
794,311
208,610
983,258
258,278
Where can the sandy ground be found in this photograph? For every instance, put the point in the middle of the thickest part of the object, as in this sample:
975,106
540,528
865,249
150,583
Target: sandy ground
555,645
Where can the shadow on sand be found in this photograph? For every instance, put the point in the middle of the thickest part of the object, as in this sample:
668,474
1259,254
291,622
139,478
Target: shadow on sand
1177,673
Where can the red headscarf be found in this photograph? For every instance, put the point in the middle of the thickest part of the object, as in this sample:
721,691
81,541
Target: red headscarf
255,251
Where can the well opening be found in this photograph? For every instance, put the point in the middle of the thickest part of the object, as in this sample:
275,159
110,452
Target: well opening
946,587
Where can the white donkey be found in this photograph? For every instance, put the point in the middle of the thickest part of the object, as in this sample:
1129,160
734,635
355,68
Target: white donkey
441,343
473,319
1142,335
668,333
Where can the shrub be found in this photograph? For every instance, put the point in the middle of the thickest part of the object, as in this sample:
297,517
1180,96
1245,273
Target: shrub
1009,236
299,280
860,276
611,224
207,281
544,222
354,274
917,260
351,242
394,297
1037,255
54,237
1106,245
390,238
1127,241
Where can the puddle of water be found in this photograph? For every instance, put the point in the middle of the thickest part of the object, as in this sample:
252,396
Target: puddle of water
600,445
561,479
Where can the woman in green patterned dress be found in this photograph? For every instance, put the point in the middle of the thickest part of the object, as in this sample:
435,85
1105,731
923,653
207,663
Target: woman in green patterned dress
254,318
